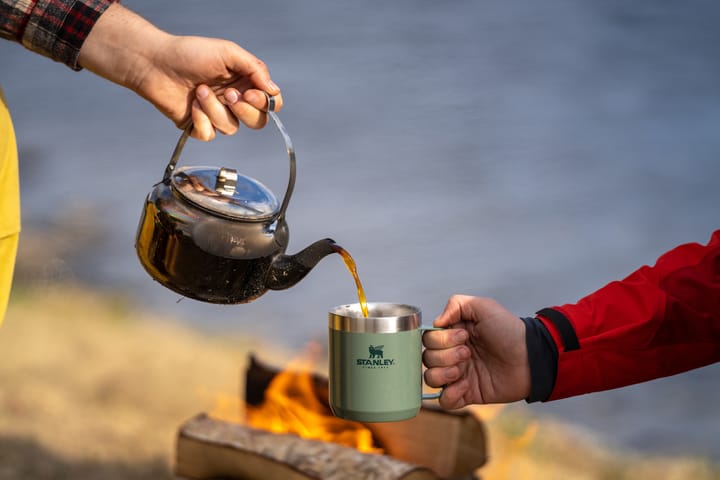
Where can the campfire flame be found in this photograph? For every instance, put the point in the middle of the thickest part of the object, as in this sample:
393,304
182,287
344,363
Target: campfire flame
291,405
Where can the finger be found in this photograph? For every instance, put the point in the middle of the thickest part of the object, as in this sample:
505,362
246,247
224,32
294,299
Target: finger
437,377
453,395
440,339
245,63
451,315
446,357
202,126
459,308
250,115
259,100
221,118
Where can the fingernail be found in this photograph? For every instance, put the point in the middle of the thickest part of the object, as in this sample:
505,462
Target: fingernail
463,354
231,96
202,92
460,336
273,86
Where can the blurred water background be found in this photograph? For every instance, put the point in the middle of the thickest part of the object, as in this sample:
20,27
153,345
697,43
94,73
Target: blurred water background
527,151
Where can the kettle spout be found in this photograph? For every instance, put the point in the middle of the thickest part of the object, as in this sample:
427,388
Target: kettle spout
287,270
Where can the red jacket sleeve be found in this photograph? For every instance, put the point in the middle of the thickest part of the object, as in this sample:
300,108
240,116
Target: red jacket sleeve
659,321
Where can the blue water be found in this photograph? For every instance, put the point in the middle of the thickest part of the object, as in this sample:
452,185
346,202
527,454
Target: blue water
527,151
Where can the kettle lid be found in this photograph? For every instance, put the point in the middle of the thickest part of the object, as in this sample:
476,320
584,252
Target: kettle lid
225,192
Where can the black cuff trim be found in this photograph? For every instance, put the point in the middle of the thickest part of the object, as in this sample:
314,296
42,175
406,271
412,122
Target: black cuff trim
567,332
542,358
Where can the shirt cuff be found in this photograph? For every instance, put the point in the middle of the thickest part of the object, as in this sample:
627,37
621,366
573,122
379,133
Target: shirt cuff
58,28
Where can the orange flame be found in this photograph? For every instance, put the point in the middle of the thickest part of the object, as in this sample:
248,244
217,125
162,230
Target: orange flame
291,405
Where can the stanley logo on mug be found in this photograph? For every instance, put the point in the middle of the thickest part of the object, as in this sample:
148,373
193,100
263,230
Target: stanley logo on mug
376,358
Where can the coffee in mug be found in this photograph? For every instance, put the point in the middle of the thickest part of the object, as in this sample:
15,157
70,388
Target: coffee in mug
375,371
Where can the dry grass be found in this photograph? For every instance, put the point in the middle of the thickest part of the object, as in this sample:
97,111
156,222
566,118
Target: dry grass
92,389
523,448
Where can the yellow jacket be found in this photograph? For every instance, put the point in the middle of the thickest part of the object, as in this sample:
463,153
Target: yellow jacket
9,204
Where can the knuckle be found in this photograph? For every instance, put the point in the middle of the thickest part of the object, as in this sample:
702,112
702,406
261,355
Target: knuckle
261,65
446,339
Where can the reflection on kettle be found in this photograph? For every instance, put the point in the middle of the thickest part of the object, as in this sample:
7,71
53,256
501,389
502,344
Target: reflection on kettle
217,236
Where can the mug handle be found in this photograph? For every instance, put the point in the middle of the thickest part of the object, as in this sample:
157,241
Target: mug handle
435,395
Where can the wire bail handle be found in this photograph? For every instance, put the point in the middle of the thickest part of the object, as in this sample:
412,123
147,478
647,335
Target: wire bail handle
288,145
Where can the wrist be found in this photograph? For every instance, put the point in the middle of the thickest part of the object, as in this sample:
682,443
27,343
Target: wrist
121,47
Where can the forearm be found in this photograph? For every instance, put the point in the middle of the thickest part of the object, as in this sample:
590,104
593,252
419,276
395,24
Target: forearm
56,29
121,46
658,321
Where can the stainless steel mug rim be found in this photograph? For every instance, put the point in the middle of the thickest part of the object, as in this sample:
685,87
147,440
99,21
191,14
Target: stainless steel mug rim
383,317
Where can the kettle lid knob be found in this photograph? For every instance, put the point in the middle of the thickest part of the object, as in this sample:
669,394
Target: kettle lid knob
226,181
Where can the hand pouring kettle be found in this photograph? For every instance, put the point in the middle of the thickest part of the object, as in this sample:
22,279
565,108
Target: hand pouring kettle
218,236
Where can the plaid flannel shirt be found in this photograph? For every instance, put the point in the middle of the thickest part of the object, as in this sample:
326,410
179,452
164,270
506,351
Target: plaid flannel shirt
53,28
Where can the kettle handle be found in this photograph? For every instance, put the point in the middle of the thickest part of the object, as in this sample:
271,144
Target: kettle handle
288,145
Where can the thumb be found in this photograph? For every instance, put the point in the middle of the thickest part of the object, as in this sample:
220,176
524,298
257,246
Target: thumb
452,313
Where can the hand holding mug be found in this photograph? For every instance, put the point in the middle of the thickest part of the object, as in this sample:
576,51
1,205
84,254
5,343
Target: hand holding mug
481,357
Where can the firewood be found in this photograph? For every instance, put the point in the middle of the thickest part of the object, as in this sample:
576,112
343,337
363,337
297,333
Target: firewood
452,444
212,449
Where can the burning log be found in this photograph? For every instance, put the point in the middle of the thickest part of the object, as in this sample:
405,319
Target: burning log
451,444
212,449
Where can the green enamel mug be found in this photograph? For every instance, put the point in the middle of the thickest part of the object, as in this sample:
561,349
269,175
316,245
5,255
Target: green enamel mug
375,371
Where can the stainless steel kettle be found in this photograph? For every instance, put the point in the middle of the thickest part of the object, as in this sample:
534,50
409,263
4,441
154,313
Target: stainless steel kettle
215,235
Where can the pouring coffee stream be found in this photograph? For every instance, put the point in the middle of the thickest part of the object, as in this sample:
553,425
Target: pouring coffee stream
215,235
350,264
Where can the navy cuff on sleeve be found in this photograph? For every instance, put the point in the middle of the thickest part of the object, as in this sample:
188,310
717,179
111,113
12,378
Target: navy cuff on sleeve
543,358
